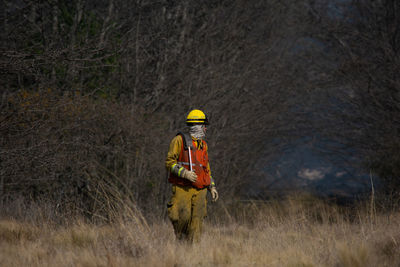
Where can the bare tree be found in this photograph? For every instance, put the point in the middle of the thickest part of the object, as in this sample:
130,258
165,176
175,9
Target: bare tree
362,111
96,89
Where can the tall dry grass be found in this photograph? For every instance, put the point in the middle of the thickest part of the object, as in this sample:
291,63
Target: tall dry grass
295,232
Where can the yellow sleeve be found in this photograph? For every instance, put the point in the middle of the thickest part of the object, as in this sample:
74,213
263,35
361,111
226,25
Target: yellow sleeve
208,164
209,169
173,152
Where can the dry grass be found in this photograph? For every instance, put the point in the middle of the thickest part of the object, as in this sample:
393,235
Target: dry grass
285,234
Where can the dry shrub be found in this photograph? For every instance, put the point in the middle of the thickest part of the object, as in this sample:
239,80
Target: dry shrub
388,245
14,232
357,256
78,235
80,154
300,208
259,239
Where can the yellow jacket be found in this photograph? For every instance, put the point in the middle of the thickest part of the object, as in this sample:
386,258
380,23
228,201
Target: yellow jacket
175,149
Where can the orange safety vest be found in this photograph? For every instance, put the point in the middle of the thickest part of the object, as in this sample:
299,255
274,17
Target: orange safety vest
199,159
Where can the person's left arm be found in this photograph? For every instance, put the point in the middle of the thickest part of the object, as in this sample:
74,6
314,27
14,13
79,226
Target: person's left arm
212,188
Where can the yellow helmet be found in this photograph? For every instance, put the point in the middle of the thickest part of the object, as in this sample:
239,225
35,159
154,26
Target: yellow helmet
196,116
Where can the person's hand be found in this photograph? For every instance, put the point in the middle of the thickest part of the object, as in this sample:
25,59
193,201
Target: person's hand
214,193
191,176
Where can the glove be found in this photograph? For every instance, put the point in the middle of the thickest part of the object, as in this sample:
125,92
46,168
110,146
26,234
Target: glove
191,176
214,193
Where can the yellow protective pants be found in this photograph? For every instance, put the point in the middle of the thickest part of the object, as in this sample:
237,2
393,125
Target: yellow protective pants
186,210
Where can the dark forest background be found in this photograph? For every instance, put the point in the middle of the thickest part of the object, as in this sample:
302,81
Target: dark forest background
93,91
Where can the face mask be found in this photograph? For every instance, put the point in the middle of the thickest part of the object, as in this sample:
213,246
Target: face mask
197,131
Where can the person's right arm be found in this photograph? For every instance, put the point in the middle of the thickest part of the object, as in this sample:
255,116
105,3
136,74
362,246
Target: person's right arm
171,163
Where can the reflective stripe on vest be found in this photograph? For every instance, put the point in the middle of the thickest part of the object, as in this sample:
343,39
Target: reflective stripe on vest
187,163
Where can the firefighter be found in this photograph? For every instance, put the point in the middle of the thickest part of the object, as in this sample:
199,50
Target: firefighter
190,176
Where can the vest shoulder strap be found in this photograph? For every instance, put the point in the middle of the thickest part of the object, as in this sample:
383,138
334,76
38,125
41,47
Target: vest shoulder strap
187,140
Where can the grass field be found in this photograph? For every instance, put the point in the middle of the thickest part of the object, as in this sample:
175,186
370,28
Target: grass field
290,233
